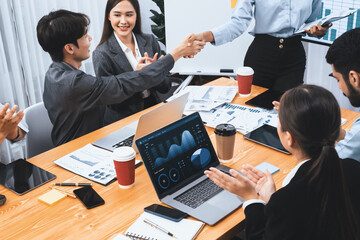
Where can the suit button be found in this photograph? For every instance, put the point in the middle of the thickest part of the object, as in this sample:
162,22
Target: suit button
281,46
281,40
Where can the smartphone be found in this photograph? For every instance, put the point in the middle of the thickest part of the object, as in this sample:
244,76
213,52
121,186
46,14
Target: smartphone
89,197
165,212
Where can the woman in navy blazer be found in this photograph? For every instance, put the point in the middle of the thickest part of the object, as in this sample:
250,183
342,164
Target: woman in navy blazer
320,196
122,31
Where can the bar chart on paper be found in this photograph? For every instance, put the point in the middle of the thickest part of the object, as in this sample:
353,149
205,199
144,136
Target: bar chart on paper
341,26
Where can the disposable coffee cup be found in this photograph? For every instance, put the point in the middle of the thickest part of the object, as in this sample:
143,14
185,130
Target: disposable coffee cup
225,141
244,77
124,161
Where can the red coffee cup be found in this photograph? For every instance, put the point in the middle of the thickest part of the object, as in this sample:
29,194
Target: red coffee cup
124,161
244,77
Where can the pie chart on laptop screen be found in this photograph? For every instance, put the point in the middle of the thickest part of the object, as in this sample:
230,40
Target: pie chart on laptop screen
201,158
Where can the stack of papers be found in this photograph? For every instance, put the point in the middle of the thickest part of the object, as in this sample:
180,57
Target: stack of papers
245,119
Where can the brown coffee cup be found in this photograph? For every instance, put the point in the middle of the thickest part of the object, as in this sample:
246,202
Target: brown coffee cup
124,162
225,141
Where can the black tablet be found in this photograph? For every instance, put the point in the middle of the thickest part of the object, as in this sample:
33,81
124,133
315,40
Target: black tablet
265,99
266,135
21,176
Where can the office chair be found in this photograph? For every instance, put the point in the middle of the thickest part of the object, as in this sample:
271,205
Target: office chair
38,139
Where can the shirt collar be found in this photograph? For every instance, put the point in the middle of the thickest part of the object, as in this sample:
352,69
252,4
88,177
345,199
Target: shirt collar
292,173
123,46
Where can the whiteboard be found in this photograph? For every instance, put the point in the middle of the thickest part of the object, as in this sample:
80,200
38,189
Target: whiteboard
339,27
183,17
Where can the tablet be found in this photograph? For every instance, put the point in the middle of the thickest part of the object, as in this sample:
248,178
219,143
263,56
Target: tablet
21,176
266,135
265,99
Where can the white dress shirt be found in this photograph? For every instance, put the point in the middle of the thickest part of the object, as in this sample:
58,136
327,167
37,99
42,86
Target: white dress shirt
278,18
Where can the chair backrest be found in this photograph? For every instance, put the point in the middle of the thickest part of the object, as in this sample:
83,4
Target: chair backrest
38,139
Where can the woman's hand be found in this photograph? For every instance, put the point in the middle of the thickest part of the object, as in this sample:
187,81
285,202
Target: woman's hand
235,183
263,182
276,105
145,61
318,30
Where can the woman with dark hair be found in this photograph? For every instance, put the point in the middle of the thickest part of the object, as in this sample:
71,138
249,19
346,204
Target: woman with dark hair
320,196
124,48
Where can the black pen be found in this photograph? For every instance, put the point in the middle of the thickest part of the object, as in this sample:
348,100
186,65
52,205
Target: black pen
154,225
73,184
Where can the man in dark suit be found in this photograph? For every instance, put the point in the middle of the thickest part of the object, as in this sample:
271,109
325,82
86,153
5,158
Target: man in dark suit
75,100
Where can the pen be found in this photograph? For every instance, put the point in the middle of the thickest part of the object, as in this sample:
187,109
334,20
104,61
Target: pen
64,192
154,225
73,184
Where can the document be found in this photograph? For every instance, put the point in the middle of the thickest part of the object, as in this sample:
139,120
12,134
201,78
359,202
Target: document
205,98
335,16
244,118
90,162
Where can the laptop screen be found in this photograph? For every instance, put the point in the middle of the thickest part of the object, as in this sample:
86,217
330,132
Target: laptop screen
176,154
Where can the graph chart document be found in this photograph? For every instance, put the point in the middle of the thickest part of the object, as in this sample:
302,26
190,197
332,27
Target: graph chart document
339,27
90,162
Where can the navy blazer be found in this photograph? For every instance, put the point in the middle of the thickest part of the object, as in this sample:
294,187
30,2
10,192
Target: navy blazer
109,59
293,211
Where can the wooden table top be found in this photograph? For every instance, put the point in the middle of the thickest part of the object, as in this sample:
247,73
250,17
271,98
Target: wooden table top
24,217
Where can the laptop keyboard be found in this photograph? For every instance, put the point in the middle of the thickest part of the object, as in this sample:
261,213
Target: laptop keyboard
126,142
199,194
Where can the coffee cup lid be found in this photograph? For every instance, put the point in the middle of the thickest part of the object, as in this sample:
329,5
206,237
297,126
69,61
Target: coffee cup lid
123,154
225,130
245,71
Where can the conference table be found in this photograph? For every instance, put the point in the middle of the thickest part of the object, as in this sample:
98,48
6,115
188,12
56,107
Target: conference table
25,217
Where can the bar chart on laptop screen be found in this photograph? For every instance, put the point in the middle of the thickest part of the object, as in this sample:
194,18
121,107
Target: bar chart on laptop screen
341,26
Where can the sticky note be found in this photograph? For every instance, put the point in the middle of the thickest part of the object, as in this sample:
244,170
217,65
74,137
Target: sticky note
271,168
51,197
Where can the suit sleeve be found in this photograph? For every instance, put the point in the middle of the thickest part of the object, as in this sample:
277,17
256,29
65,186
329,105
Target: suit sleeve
95,91
255,221
165,85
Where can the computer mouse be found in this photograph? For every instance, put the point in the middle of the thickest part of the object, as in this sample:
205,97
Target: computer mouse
2,200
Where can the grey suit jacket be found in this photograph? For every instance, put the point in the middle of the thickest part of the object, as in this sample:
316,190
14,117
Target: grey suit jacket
109,59
75,100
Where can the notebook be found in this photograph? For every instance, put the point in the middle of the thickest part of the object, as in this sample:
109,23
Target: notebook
175,158
186,229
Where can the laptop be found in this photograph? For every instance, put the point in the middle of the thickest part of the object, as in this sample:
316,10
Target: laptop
175,158
148,122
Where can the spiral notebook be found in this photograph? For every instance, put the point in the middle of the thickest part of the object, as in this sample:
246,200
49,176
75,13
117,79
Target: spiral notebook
186,229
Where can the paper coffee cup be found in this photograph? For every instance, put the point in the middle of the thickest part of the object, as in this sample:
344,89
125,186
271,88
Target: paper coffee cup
244,77
225,141
124,162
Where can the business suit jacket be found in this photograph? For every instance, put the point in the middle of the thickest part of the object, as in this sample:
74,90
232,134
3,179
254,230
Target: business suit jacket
293,212
75,100
109,59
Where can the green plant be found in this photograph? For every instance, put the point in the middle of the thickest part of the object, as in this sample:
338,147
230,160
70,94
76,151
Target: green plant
159,19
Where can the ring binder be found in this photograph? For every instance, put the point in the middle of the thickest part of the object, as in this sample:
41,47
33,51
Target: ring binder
135,236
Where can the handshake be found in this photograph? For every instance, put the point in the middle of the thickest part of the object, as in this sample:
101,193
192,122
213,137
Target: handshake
190,46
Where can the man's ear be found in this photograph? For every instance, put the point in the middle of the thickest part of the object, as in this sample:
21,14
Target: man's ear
69,48
354,78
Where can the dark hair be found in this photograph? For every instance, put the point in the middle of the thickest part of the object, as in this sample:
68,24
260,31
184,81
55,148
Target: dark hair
59,28
312,116
108,30
344,53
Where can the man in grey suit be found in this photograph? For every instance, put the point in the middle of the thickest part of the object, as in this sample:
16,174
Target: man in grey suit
75,100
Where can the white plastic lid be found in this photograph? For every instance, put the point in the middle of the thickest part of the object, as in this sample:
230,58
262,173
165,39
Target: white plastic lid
123,154
245,71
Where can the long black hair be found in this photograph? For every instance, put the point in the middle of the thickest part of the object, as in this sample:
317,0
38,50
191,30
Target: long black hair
312,116
108,30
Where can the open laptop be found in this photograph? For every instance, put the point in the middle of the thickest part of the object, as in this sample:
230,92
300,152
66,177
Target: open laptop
148,122
175,158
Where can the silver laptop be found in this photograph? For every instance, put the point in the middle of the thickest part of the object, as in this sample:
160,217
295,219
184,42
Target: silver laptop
148,122
175,158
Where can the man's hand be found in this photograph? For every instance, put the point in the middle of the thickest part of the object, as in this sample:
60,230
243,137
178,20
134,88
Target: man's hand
9,122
